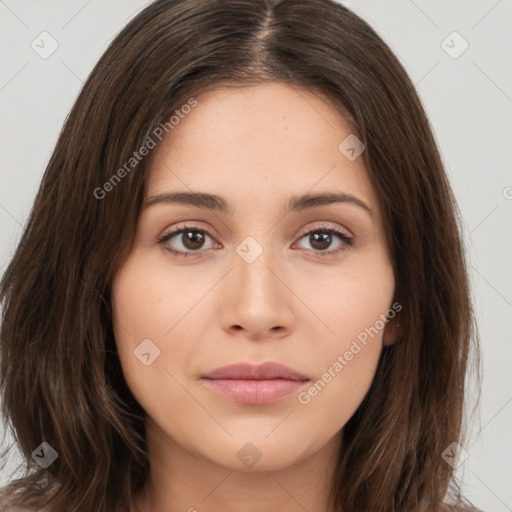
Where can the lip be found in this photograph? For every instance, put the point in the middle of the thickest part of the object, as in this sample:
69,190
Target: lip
255,384
264,371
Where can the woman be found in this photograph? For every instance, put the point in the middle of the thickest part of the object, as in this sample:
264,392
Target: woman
242,284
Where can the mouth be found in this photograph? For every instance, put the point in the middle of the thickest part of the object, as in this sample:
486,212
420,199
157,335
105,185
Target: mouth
255,385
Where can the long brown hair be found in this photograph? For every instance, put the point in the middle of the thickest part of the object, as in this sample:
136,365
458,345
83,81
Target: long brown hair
61,379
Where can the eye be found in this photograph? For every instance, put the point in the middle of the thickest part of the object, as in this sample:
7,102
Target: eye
193,238
321,238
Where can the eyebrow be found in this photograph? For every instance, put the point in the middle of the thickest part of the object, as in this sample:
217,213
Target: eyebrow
219,204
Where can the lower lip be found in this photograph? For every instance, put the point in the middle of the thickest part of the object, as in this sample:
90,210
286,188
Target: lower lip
256,392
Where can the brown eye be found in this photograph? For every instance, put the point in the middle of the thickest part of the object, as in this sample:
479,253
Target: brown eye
320,239
192,239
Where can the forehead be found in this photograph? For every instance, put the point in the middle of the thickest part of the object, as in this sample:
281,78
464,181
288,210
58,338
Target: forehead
251,143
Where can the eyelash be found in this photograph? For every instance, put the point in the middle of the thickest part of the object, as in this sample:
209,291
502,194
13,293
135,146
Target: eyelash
347,240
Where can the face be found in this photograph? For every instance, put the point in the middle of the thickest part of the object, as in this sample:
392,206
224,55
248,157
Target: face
258,281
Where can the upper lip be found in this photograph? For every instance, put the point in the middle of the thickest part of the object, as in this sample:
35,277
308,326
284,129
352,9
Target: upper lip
246,371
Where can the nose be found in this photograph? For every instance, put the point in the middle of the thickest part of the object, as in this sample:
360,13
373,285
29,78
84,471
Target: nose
256,298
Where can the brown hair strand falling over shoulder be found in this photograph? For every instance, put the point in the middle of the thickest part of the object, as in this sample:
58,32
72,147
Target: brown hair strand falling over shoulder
61,380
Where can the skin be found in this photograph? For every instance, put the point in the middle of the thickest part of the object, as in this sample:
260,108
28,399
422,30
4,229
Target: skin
256,147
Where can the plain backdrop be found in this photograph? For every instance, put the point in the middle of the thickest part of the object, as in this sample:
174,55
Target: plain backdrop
459,55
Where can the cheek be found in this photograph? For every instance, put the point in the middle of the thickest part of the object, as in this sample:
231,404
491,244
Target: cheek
149,298
351,303
144,313
144,310
353,309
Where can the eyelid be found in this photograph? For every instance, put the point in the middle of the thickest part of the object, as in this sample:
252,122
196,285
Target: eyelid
327,227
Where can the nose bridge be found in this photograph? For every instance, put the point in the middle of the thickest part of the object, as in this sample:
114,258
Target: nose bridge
256,299
255,256
256,248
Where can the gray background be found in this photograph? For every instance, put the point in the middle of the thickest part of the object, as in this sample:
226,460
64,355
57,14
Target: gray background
468,100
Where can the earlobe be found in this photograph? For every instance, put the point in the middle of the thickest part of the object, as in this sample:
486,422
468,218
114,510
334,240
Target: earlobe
392,332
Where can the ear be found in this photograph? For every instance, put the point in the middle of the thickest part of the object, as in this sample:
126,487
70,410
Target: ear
392,331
